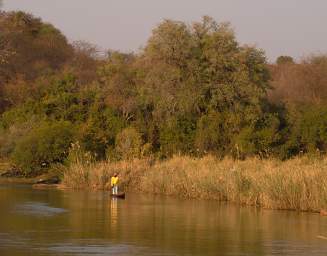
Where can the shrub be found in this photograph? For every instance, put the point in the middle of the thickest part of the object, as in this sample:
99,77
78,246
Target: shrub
43,146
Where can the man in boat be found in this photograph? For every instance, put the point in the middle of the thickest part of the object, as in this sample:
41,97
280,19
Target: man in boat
114,184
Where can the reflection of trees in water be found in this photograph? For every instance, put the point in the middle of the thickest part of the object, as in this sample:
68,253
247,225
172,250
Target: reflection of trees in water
168,225
163,225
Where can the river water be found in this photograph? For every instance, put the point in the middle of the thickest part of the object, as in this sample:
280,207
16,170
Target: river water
52,222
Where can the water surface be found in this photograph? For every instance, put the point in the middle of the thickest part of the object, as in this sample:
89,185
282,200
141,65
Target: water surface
51,222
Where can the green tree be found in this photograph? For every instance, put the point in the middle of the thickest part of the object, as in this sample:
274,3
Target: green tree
177,136
43,146
98,134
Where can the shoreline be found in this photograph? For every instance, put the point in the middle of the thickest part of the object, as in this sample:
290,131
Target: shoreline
299,184
16,180
60,186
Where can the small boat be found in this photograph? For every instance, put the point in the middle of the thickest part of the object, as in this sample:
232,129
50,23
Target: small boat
119,195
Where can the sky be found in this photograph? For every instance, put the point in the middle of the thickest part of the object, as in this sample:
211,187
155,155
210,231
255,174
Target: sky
280,27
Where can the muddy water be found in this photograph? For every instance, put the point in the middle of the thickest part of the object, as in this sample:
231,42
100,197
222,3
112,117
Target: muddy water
51,222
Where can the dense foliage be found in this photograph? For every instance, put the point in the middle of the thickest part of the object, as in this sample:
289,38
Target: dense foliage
192,90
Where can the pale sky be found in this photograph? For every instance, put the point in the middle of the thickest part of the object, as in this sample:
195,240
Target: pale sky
280,27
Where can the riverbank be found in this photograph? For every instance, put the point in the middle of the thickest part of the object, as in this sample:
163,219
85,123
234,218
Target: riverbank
297,184
8,176
14,180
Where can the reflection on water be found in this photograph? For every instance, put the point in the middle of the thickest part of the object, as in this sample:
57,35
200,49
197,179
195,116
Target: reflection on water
38,209
34,222
114,212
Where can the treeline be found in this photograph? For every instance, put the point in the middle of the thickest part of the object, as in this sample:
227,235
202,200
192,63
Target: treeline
192,90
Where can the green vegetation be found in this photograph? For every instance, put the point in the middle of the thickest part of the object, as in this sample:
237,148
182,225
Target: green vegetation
193,90
45,145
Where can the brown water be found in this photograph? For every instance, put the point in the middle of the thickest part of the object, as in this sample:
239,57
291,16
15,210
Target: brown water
51,222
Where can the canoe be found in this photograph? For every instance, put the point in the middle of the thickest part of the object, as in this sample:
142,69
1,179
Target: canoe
119,195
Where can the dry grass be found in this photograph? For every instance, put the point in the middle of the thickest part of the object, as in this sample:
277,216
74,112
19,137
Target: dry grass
97,175
297,184
4,166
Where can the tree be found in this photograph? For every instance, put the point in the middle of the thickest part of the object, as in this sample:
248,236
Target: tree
85,62
193,71
281,60
30,47
117,77
302,83
129,143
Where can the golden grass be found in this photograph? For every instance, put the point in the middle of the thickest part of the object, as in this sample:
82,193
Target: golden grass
297,184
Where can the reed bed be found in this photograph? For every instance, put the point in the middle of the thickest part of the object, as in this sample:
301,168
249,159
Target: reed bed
297,184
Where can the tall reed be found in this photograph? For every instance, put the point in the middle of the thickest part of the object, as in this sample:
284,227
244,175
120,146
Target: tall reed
297,184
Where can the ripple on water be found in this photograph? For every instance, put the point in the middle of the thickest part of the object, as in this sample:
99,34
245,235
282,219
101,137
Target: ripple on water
7,240
295,248
99,249
104,249
38,209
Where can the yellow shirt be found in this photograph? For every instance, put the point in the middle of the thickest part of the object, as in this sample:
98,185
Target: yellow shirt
114,181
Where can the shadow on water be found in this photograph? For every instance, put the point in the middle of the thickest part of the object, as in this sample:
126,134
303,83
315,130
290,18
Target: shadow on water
51,222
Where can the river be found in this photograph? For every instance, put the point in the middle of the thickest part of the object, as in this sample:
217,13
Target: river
53,222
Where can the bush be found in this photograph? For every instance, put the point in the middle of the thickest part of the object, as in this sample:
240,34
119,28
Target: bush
43,146
307,132
9,137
